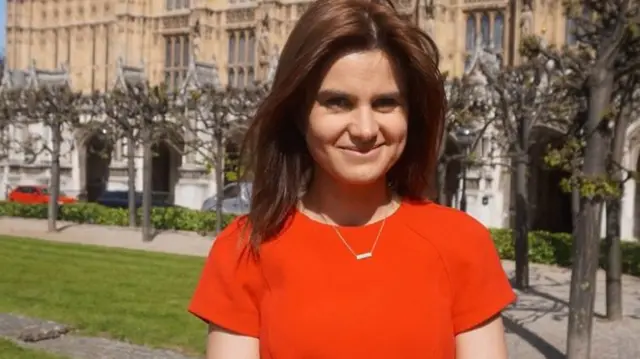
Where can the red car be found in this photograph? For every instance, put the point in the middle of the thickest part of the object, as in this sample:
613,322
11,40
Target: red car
35,195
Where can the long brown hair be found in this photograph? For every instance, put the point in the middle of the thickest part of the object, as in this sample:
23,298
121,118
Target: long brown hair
274,148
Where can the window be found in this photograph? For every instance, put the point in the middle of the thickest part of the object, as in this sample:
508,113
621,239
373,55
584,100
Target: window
231,191
471,33
498,32
251,76
570,29
177,4
485,30
240,82
232,77
487,27
241,50
252,48
176,61
231,48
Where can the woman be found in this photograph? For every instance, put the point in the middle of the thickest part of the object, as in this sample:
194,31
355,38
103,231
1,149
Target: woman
341,255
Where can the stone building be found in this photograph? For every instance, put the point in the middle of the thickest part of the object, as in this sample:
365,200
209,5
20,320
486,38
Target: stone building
101,42
89,36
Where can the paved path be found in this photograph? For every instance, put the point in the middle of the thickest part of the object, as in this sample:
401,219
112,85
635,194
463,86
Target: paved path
78,347
187,243
536,324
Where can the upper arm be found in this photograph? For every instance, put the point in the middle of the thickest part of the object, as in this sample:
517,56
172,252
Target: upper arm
223,344
480,287
485,341
228,296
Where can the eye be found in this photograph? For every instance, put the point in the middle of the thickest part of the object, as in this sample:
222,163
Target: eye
386,104
337,103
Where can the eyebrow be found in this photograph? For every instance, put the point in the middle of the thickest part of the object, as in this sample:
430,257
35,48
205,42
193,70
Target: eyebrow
339,93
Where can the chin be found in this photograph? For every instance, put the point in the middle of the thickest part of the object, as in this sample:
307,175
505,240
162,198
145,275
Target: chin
359,177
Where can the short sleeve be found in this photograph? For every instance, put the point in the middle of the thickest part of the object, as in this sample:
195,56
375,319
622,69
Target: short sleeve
230,287
480,286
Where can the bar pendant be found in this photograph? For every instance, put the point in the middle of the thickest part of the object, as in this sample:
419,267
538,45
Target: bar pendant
364,255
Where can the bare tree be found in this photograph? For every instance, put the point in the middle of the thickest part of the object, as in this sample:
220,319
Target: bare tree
213,117
607,51
121,110
524,98
625,107
153,107
467,109
10,101
55,110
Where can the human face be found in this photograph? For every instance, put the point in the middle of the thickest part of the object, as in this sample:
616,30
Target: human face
357,128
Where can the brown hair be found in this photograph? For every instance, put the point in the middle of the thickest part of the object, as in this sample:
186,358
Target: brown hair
274,147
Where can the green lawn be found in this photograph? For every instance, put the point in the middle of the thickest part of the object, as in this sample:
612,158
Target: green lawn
8,350
133,296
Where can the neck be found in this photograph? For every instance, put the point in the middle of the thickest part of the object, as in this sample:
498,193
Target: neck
346,205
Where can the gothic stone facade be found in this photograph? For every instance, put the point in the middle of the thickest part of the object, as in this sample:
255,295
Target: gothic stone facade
88,36
242,37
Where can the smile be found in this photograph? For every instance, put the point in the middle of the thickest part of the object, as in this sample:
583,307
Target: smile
361,151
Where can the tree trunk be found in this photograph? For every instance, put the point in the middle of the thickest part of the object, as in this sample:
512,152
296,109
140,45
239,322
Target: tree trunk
612,238
522,224
131,164
54,181
614,261
219,169
587,242
147,186
522,206
442,183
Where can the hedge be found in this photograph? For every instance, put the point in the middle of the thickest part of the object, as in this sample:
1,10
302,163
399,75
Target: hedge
555,249
165,218
545,247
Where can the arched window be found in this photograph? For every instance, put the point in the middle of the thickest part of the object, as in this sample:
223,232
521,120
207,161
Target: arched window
570,31
251,76
252,48
471,33
485,30
498,31
241,48
232,77
240,78
231,47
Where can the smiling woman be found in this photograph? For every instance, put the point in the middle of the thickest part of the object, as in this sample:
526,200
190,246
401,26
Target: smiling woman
342,255
357,128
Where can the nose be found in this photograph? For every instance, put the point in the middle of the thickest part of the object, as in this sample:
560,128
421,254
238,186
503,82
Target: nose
364,127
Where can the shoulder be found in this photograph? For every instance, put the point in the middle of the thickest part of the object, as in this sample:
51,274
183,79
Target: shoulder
429,218
232,244
230,285
457,236
479,286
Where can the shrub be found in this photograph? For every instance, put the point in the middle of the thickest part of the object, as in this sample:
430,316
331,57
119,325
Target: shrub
165,218
555,249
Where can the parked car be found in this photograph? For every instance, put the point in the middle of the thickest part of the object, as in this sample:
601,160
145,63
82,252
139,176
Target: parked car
236,199
36,195
120,199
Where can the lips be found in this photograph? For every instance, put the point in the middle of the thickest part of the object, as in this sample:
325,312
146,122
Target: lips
360,149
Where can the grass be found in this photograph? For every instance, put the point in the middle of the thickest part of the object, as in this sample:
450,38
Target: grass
9,350
133,296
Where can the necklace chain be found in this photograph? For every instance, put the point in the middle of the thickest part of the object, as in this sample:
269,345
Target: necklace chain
360,256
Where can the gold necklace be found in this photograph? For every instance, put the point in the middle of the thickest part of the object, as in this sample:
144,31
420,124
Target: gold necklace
360,256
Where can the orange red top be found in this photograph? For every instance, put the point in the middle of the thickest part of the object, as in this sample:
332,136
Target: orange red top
434,273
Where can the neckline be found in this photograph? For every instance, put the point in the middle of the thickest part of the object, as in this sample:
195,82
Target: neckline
390,218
